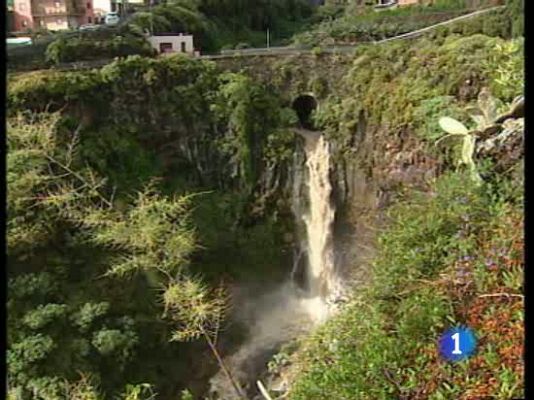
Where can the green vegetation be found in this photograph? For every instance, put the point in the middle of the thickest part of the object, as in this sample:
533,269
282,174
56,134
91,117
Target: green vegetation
89,229
28,57
63,317
423,82
227,24
484,116
103,44
248,20
449,255
506,23
450,258
140,192
106,43
215,25
355,23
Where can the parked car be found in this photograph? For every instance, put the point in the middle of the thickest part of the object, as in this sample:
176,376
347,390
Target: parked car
112,18
88,27
18,42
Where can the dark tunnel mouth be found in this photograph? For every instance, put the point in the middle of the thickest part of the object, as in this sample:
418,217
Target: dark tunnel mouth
304,105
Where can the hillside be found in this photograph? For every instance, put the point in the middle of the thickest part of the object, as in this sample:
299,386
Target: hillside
181,228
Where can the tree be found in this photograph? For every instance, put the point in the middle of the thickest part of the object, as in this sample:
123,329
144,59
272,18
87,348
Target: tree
60,319
52,333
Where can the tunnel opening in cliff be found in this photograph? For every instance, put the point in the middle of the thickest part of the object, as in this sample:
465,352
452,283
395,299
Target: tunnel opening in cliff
304,105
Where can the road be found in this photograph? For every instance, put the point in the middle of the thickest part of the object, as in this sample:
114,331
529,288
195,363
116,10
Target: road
281,51
341,49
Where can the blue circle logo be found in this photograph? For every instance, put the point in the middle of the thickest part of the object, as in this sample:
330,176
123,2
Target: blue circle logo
458,343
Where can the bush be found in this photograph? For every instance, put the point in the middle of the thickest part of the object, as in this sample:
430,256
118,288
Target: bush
354,26
428,112
507,70
150,22
506,23
90,47
28,56
317,51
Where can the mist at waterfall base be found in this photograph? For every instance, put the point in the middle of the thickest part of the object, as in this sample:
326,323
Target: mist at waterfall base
291,309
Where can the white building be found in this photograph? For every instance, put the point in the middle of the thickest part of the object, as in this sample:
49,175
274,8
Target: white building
100,9
172,43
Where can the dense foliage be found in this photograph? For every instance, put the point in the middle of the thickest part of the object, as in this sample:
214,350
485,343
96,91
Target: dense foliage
506,23
424,82
229,24
105,44
139,191
84,213
214,25
451,255
240,21
64,319
354,23
218,24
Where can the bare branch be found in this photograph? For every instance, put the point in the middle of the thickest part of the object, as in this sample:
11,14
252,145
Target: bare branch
80,177
502,295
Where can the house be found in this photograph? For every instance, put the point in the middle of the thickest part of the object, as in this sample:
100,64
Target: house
10,16
51,14
125,6
102,7
22,15
170,43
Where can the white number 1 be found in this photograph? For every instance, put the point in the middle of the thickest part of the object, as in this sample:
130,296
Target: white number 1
456,338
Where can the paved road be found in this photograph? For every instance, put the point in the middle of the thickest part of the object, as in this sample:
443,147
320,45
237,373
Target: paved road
340,49
280,51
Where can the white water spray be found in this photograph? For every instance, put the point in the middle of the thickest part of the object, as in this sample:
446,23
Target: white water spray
287,312
319,219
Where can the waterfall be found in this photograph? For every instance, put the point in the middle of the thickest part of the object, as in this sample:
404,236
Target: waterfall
278,316
319,218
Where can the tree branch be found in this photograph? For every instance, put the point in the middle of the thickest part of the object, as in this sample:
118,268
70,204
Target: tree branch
81,178
502,294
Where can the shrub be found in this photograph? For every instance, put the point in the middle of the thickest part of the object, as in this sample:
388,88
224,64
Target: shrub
427,113
506,68
85,48
317,51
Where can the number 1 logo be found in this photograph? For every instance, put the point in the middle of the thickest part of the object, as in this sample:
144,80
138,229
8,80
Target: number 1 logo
457,343
456,338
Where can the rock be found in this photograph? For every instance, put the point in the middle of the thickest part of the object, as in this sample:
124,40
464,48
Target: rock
517,110
506,147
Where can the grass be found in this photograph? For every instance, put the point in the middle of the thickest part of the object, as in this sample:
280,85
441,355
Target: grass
450,257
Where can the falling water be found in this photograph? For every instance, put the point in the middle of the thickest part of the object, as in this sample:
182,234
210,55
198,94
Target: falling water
290,310
319,218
